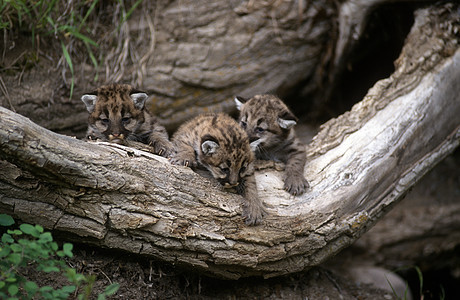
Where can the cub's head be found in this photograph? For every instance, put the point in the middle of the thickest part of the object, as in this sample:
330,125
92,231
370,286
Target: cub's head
266,120
116,112
226,153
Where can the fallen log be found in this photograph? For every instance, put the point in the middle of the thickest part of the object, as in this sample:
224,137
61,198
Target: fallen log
359,165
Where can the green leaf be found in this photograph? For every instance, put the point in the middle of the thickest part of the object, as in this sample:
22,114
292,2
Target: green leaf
11,279
39,228
46,237
54,246
50,269
30,229
47,295
4,251
16,248
46,288
15,258
7,239
13,289
101,297
31,288
15,232
6,220
71,274
67,249
68,289
111,289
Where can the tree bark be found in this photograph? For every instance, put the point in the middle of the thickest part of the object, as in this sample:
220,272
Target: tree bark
359,166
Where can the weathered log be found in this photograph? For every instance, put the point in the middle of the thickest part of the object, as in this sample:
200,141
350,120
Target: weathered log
359,165
424,229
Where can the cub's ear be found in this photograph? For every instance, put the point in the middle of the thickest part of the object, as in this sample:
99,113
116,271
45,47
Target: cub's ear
287,120
209,145
90,101
139,99
286,124
239,101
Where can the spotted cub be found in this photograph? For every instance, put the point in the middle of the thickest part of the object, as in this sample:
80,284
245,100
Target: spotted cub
270,127
217,143
117,114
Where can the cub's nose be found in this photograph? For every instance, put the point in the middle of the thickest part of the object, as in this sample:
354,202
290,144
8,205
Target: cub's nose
229,185
116,137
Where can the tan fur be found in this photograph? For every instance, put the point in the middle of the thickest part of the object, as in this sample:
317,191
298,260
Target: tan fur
118,114
270,127
217,143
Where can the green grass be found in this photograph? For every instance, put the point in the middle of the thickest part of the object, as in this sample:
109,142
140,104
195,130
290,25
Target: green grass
55,18
68,23
442,294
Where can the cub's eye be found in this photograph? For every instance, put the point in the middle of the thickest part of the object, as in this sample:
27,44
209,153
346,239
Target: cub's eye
259,130
126,120
225,170
243,124
105,121
242,170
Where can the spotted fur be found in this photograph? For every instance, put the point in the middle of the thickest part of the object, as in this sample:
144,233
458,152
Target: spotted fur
217,143
117,114
270,127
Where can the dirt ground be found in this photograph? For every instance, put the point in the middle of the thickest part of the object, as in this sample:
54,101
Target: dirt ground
148,279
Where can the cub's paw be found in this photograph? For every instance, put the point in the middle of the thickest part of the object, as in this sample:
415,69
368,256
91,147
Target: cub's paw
296,185
162,148
183,160
253,214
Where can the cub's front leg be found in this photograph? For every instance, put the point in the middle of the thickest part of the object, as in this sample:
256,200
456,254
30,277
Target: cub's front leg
183,155
253,207
294,180
158,139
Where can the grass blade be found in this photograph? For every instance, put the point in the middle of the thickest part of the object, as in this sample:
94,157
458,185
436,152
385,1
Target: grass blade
68,59
88,13
93,60
83,37
128,14
420,278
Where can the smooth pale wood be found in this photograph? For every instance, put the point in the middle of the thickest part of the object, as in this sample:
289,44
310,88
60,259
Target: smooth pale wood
359,165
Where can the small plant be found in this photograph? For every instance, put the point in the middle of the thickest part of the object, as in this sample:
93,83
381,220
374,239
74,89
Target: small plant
31,247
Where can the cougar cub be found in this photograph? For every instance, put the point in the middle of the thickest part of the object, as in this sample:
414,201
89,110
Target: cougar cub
217,143
269,124
117,114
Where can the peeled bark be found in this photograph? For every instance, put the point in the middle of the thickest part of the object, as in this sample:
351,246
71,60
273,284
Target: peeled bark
359,165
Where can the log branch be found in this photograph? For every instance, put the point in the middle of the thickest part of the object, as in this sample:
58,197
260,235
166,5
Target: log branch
359,165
